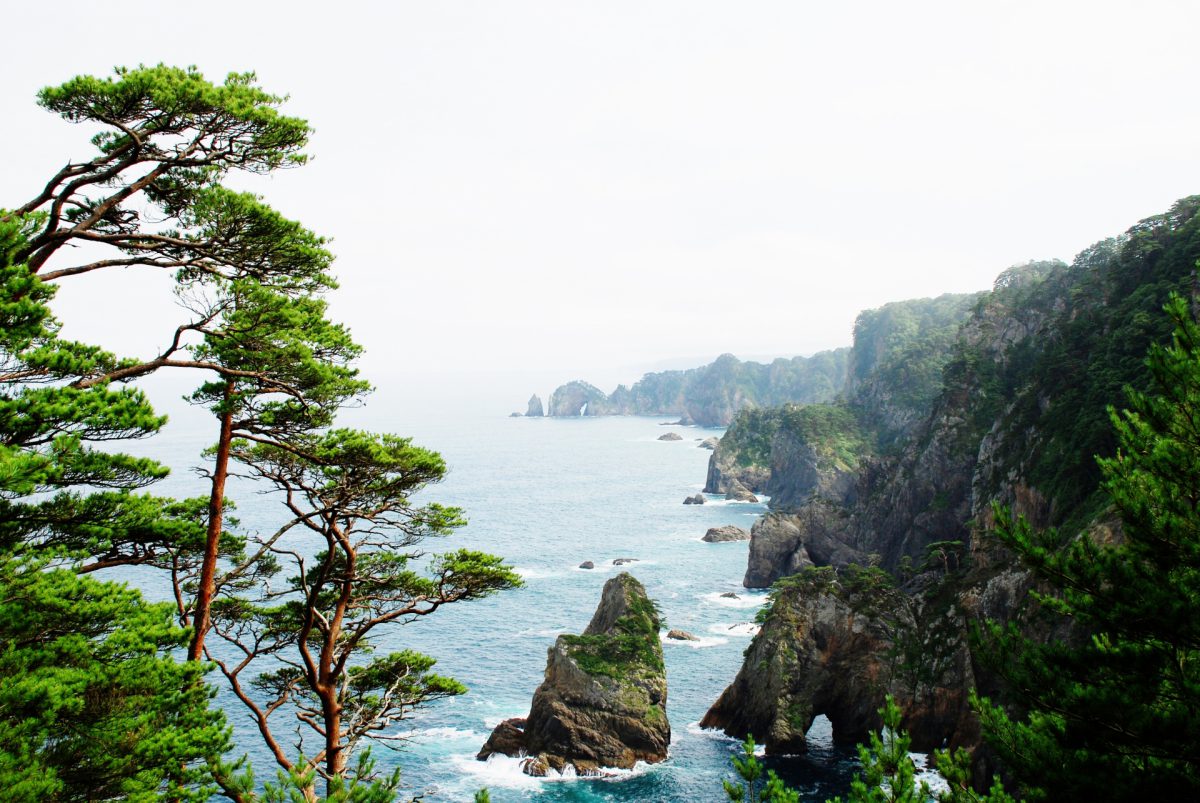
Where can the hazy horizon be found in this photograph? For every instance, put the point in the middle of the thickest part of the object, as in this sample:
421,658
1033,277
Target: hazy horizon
552,191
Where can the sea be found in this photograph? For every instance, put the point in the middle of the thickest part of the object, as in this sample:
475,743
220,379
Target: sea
548,494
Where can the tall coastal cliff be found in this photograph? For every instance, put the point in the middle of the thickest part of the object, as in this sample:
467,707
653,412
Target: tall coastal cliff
712,394
878,544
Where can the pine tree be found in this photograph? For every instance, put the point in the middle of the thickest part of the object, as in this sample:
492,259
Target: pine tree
1116,716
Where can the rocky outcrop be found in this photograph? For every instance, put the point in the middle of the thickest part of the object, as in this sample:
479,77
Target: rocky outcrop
603,703
1011,411
694,499
828,647
681,635
717,535
736,492
670,436
535,410
578,398
709,443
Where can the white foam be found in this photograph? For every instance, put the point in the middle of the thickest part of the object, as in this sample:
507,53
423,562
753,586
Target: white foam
505,772
745,599
736,629
444,733
928,774
545,632
697,644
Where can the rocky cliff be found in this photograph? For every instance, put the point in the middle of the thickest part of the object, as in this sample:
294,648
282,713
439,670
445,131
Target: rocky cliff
1018,414
535,409
603,702
712,394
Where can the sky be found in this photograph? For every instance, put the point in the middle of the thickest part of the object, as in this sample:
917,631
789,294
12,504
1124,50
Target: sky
524,193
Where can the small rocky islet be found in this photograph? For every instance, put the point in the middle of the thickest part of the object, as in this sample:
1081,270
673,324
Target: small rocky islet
603,703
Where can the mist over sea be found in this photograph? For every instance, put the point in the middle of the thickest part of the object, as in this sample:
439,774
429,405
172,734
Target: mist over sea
547,494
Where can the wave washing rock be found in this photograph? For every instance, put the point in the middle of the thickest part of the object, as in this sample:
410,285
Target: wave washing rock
603,703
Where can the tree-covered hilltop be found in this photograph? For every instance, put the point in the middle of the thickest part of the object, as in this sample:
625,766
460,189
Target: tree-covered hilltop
887,574
894,372
710,395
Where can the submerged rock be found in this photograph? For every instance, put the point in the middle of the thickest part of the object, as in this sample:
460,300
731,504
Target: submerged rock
603,702
730,595
623,561
670,436
717,535
695,499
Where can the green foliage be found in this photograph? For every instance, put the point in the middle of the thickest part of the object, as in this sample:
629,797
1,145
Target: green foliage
757,786
631,648
889,775
95,706
1116,716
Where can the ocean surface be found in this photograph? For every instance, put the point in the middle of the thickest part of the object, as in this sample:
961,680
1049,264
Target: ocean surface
548,494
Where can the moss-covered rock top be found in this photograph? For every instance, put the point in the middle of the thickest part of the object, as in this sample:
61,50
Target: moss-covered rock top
622,639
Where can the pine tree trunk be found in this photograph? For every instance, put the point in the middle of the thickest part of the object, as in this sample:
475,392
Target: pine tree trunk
216,503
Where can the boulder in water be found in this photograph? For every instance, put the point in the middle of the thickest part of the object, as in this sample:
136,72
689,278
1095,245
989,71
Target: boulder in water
670,436
717,535
696,499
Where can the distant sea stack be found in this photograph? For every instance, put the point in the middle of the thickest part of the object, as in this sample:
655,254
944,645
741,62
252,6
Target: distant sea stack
603,703
535,410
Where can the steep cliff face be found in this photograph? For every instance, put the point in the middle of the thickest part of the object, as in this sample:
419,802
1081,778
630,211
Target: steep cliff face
603,702
1018,415
711,395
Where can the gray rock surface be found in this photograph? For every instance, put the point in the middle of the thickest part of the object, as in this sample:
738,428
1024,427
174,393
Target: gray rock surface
535,409
736,492
695,499
729,532
603,701
681,635
670,436
587,564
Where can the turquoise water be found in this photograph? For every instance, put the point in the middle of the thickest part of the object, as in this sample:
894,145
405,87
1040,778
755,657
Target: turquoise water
548,494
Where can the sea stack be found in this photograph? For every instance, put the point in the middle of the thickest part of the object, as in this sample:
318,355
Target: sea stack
535,409
603,703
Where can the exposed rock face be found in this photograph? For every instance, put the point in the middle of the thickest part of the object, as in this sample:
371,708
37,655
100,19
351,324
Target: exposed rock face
1001,413
694,499
535,410
717,535
603,701
670,436
578,398
829,650
736,492
709,443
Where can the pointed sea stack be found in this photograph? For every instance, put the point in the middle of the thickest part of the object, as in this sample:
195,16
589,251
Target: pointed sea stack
535,409
603,703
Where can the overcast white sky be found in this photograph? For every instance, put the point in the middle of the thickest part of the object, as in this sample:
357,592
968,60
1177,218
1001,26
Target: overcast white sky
532,192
